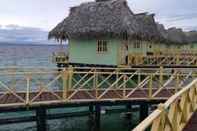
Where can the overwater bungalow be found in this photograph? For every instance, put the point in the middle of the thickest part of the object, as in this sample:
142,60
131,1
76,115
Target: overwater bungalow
108,33
105,32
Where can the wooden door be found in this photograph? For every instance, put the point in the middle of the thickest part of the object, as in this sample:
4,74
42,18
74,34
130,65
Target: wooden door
124,53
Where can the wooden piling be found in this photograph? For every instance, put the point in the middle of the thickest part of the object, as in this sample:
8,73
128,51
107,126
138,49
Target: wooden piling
144,109
97,117
41,119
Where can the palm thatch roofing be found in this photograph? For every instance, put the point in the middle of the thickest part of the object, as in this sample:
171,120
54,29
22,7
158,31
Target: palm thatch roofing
172,35
191,36
105,18
163,32
176,35
148,26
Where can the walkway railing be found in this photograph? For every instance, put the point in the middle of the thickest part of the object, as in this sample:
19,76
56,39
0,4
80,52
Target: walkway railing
45,86
174,114
159,60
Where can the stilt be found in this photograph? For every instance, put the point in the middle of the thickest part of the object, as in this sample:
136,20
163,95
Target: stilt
91,109
41,119
97,117
91,118
129,110
144,109
128,117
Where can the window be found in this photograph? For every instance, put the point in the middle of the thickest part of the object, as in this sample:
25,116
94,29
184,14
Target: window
101,46
137,44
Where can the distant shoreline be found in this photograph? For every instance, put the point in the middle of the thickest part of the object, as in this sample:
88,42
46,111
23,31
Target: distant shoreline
26,44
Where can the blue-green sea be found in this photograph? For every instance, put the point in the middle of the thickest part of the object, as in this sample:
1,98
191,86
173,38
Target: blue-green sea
40,56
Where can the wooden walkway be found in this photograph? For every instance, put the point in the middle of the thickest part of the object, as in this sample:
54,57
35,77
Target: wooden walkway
79,86
74,85
48,98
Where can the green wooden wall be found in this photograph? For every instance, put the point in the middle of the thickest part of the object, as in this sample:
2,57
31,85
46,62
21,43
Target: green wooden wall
85,51
141,50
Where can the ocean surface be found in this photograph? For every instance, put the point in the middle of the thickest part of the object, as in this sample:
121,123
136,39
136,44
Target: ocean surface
27,55
40,56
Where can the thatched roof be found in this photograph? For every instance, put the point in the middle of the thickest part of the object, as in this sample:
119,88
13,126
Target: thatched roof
148,25
176,35
191,36
162,31
104,18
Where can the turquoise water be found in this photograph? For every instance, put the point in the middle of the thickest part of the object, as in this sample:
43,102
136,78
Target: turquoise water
40,56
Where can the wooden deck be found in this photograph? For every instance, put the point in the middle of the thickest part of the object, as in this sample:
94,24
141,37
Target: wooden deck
81,96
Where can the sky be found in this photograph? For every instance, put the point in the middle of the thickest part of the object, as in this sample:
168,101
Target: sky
30,20
46,14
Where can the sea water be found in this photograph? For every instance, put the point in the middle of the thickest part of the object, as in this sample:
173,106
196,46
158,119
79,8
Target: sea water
40,56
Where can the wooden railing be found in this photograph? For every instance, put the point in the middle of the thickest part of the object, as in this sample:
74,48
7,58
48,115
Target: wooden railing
31,86
174,114
60,57
161,60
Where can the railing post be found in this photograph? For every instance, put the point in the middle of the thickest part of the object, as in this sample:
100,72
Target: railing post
177,59
150,86
96,84
27,102
14,80
158,124
177,82
161,76
65,84
124,86
67,76
70,75
117,75
139,78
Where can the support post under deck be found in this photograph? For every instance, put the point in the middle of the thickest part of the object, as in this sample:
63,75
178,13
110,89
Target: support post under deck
129,116
144,109
41,119
97,117
91,118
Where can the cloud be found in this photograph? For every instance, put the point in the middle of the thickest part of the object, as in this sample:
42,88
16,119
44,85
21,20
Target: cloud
177,13
169,12
47,13
23,35
185,21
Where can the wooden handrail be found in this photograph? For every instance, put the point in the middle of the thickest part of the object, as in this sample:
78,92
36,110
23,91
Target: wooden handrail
164,109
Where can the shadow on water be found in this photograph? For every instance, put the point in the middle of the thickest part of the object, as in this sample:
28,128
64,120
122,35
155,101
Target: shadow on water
111,120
